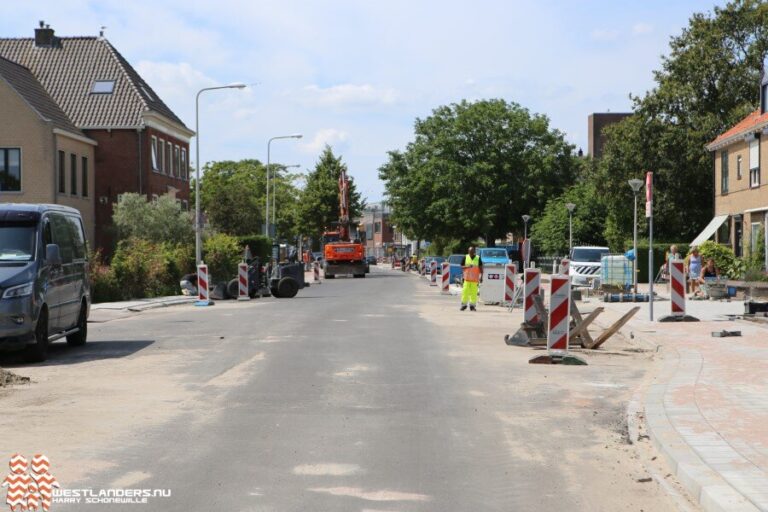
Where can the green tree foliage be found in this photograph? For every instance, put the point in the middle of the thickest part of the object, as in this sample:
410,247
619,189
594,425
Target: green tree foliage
160,220
708,82
550,233
474,168
318,208
222,254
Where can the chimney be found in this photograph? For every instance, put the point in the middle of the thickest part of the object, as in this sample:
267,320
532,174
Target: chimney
44,36
763,92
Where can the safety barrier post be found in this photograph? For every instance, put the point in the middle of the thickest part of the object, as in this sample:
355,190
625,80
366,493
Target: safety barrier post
203,280
510,275
530,289
445,282
242,281
433,273
316,272
677,294
558,330
565,265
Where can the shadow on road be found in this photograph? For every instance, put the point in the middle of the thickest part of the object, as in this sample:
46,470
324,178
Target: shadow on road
60,353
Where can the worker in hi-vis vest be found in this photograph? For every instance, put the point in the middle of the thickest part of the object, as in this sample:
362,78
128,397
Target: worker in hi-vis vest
473,275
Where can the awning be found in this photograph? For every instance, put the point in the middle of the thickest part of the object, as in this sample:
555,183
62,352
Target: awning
710,230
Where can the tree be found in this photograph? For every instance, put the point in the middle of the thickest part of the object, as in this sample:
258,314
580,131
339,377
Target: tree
318,208
474,168
707,83
162,220
232,195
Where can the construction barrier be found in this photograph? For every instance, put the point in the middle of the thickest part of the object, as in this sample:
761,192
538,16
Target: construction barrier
531,288
316,272
242,281
433,273
203,297
559,314
445,284
677,282
565,265
510,275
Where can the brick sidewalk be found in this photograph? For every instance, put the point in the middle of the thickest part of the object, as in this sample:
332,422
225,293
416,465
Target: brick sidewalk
707,410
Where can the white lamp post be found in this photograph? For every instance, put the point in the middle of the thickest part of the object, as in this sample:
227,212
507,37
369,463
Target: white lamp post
266,209
198,227
526,248
636,185
570,207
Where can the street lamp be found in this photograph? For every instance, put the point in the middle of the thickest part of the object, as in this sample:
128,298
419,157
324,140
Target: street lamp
526,248
636,185
266,209
198,227
274,192
570,207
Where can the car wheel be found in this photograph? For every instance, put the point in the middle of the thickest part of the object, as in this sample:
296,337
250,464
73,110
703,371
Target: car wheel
330,276
358,275
39,351
287,288
77,339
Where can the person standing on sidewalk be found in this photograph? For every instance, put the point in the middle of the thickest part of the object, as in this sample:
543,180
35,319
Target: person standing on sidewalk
473,276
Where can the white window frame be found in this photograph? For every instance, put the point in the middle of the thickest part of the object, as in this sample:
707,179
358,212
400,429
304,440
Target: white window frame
21,168
184,165
161,154
153,151
169,154
177,160
754,162
738,167
725,172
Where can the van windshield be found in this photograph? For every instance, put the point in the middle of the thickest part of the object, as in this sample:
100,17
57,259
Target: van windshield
588,255
17,242
493,253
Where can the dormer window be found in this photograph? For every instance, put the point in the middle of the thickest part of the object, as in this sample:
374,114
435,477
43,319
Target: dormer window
103,87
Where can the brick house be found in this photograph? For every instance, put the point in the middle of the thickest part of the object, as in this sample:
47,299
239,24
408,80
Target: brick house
142,146
741,193
40,140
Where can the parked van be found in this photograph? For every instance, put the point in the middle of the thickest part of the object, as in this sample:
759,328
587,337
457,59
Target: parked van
43,278
585,265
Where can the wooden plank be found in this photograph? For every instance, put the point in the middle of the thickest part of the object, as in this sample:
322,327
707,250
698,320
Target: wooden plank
615,327
580,329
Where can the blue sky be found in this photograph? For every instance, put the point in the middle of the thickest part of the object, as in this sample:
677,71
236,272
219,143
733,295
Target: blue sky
356,74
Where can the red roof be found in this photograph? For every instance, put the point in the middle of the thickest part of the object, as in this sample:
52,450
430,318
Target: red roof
745,125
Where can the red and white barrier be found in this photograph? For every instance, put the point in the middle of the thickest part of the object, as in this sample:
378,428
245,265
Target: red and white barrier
316,272
202,283
565,265
510,276
559,314
433,273
445,283
242,281
677,282
531,289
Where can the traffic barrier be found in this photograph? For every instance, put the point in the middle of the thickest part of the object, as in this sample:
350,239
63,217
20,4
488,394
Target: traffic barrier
677,282
531,288
203,280
559,314
433,273
316,272
445,287
510,275
565,265
242,280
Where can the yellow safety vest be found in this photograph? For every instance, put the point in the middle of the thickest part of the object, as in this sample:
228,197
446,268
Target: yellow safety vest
472,270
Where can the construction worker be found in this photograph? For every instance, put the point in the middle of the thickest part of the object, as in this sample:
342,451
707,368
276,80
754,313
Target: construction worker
473,275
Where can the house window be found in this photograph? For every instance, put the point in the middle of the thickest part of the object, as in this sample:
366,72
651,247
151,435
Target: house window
73,174
155,160
177,161
738,167
62,173
724,172
84,170
103,87
754,162
184,163
161,154
185,205
377,227
754,235
169,161
10,169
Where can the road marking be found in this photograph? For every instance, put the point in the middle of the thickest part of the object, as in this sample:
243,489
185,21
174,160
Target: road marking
339,320
352,371
330,469
237,374
383,495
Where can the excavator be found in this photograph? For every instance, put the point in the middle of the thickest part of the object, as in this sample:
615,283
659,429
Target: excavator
340,254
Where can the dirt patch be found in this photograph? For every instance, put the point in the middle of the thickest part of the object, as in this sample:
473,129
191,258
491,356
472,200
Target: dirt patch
9,379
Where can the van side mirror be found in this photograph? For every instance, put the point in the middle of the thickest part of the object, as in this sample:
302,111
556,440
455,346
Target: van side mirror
53,255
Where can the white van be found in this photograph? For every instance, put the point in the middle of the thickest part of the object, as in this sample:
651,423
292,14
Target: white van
585,264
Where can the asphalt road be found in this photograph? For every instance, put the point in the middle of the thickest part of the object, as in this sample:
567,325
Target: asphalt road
354,396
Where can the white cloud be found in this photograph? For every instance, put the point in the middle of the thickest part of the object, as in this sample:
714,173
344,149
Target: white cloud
642,28
174,80
604,34
349,95
331,136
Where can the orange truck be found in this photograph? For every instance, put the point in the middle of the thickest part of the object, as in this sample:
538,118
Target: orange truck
340,254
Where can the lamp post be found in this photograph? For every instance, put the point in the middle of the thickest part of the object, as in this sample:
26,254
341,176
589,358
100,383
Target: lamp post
266,209
570,207
274,193
636,185
198,227
526,248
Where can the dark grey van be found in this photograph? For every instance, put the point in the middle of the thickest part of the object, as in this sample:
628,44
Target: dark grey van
44,290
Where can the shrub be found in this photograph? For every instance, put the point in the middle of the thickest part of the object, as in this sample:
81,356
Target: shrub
222,253
260,245
104,285
146,269
724,258
162,219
